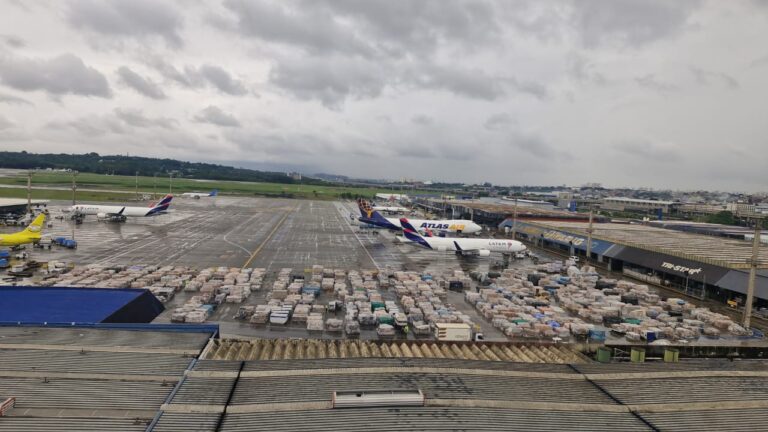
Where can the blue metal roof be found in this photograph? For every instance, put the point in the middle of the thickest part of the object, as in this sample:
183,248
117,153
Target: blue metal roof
76,305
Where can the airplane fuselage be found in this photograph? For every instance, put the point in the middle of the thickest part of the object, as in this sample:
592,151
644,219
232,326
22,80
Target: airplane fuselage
472,244
89,209
446,225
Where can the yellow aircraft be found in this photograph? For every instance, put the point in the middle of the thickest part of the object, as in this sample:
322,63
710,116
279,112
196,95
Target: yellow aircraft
30,235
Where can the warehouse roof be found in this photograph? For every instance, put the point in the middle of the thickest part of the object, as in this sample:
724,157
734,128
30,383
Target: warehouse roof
31,304
104,337
90,379
469,395
719,251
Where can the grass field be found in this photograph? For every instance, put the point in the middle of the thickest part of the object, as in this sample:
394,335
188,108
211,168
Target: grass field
53,194
162,185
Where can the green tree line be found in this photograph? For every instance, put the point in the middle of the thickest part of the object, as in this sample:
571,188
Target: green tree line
144,166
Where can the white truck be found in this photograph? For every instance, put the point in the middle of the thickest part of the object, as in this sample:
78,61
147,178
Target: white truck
453,332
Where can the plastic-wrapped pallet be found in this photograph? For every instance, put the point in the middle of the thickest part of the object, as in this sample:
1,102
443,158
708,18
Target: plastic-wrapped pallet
334,325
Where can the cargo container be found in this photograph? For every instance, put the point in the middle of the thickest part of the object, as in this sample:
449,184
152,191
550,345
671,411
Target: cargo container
453,332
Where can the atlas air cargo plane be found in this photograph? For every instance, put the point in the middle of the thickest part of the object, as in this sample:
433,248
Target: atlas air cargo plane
462,246
120,213
31,233
370,216
198,195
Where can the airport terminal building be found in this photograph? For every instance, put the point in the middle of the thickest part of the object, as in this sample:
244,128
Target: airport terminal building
702,266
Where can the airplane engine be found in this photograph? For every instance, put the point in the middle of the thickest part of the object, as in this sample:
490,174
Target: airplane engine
483,253
101,215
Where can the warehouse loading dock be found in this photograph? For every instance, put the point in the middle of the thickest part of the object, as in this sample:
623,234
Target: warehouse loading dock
702,266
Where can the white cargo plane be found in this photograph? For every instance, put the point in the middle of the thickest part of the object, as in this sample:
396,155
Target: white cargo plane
458,226
121,213
198,195
462,246
390,209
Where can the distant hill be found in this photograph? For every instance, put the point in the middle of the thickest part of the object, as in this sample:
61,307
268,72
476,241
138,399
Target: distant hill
130,165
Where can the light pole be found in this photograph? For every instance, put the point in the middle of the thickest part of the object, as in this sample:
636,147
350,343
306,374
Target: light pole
74,187
752,274
29,192
514,221
589,236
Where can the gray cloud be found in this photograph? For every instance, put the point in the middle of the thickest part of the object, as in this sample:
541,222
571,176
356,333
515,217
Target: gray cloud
538,147
139,19
295,145
650,82
65,74
499,121
759,62
471,83
197,77
121,122
630,22
330,81
649,150
90,126
222,80
214,115
137,119
582,70
13,41
5,123
139,83
186,78
368,29
704,77
14,100
422,120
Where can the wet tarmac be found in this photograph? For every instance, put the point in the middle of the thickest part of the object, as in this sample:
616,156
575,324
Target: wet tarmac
254,232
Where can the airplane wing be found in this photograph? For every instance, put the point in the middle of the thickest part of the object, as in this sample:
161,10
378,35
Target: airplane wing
117,214
471,252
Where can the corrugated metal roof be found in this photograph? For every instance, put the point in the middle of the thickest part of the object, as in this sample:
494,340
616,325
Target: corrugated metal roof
685,365
196,390
102,337
707,249
308,364
92,362
688,390
187,422
710,420
432,419
84,394
312,388
39,424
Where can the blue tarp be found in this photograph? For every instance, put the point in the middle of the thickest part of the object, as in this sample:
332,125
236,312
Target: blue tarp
77,305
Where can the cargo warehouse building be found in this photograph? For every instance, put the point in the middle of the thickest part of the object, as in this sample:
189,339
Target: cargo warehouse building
495,213
703,266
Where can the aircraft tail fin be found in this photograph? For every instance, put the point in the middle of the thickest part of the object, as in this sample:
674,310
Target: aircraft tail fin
412,234
36,226
214,193
162,205
367,212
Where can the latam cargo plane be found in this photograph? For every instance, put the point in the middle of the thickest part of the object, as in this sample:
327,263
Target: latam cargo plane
462,246
121,213
457,226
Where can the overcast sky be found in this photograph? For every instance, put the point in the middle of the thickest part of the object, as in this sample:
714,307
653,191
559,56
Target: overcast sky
663,94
